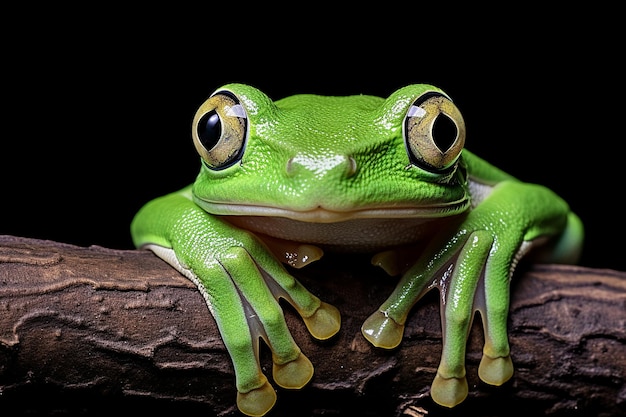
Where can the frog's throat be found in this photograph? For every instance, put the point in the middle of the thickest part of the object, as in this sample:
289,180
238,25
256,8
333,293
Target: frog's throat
323,215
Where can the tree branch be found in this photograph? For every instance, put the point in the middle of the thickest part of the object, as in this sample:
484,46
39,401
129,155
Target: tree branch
94,330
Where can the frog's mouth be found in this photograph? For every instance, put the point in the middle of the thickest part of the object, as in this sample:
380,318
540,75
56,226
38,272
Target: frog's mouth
361,230
324,215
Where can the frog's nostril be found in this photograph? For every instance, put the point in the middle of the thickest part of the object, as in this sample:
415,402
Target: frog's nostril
351,166
291,168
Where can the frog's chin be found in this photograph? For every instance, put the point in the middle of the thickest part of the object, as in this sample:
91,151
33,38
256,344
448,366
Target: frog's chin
361,235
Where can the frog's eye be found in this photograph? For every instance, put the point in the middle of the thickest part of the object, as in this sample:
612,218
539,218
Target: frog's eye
434,132
219,130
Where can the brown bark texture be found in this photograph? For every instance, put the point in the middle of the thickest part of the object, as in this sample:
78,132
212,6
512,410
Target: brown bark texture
95,331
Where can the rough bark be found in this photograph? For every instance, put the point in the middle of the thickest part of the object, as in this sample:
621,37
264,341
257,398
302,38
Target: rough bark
96,330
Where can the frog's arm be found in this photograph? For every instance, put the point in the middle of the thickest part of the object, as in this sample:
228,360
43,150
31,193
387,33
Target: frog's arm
471,264
241,283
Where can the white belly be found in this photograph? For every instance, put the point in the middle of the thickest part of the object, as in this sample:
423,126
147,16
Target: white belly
358,235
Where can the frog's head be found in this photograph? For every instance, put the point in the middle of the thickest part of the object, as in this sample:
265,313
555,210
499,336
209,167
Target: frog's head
327,160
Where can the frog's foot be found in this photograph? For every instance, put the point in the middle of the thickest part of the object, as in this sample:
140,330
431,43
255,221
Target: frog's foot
396,261
324,323
321,319
247,311
449,391
296,255
382,331
495,371
294,374
257,402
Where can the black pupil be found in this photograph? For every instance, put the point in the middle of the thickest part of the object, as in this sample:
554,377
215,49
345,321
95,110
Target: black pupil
210,130
444,132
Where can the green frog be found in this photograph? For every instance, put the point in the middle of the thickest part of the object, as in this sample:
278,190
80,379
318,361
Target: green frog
281,182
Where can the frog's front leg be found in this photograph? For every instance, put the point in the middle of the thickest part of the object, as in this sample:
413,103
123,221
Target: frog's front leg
472,268
241,282
457,271
241,295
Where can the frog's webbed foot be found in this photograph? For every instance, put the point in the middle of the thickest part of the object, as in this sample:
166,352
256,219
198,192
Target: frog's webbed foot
467,283
260,283
382,331
294,254
495,371
258,401
294,374
242,292
321,319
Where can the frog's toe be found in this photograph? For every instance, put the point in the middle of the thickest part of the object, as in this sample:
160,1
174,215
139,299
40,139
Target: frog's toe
448,392
258,401
495,371
294,374
325,322
382,331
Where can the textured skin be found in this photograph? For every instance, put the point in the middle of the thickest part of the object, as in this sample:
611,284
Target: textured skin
338,172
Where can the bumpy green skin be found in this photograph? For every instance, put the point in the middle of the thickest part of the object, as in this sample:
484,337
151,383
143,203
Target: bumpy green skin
341,161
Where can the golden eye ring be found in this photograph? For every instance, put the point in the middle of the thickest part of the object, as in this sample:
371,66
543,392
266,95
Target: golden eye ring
219,130
434,132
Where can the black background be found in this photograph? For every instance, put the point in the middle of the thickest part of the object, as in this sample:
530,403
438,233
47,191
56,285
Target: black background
98,104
